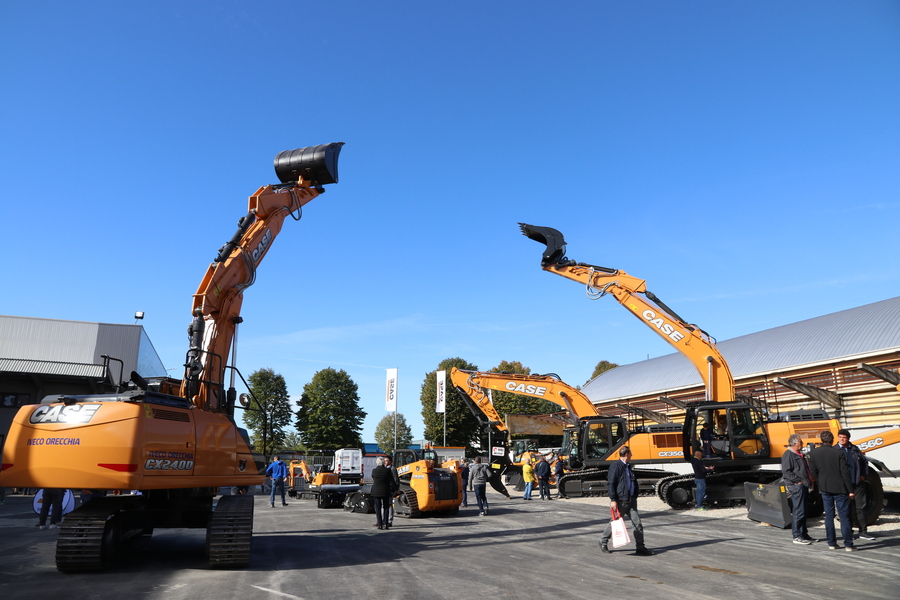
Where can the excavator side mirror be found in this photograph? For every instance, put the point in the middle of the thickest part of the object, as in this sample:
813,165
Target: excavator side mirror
316,164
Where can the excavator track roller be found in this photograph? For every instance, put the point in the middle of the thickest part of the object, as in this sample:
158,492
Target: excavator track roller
317,164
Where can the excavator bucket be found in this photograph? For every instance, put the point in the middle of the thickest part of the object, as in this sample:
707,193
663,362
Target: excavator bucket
316,164
553,239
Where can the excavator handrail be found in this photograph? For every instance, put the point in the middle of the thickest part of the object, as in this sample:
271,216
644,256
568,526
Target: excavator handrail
691,341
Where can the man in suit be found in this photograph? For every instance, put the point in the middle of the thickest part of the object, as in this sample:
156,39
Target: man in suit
622,487
829,468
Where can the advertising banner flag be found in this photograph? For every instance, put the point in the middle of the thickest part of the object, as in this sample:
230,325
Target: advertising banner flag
390,397
441,391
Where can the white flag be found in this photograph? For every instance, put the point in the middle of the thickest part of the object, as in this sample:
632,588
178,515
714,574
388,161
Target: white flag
441,387
390,397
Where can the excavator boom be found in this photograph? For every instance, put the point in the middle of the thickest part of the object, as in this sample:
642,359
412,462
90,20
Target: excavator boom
691,341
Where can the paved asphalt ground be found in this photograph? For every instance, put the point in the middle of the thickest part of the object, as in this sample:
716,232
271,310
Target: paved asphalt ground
521,550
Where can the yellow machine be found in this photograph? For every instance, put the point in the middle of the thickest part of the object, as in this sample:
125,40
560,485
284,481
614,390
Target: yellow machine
176,441
592,440
323,486
425,488
748,438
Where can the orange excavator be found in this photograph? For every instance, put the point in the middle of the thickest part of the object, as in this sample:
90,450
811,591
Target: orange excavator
175,441
748,439
591,441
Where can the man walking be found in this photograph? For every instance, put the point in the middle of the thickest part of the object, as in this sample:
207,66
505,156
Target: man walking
478,479
832,474
798,481
277,471
623,490
859,470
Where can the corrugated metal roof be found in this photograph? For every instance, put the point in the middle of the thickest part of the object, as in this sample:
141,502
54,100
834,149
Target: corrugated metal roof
50,367
78,342
855,332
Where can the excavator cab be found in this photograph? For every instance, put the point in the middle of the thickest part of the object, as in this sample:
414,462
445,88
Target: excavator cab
735,431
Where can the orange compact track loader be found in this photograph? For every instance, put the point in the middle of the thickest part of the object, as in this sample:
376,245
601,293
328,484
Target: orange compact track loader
175,441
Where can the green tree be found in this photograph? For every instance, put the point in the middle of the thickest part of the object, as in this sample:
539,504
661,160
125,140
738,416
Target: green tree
602,367
268,427
291,441
508,403
462,426
330,416
384,433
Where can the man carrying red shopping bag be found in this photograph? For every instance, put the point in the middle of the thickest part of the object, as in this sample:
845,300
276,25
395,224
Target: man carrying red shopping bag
621,485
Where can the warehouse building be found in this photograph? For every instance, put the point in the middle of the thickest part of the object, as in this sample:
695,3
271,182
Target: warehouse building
845,362
40,357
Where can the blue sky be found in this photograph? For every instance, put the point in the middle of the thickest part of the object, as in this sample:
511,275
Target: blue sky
742,157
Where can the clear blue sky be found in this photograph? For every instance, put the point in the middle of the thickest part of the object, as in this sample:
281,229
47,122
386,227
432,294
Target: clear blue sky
742,157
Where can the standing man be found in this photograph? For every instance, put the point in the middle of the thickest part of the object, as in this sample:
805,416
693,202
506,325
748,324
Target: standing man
559,471
700,471
832,474
464,475
277,471
395,488
478,478
542,473
798,481
528,478
859,470
706,436
622,487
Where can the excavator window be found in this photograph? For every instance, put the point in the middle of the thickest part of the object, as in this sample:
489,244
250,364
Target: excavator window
598,441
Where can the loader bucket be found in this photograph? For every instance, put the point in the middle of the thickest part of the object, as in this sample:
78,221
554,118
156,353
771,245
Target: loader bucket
556,244
316,164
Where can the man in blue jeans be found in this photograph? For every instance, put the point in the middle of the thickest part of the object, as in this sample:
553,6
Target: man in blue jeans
277,470
829,468
797,480
700,471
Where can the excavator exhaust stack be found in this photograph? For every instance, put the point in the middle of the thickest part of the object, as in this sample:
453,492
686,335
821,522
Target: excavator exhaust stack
552,238
316,164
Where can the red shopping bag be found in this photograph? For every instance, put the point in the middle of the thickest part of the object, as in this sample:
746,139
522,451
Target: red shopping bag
620,535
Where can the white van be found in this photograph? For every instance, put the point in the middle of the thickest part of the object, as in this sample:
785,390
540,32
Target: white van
348,465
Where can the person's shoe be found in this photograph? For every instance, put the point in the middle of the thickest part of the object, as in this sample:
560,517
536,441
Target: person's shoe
285,504
851,549
865,535
381,527
481,514
39,526
701,508
53,526
604,548
464,505
809,539
644,551
485,511
832,547
801,541
273,505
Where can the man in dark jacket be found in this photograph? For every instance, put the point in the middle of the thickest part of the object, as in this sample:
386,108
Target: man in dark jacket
859,470
622,486
797,480
542,473
382,492
832,474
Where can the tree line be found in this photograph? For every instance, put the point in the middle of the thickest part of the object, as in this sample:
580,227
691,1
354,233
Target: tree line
329,415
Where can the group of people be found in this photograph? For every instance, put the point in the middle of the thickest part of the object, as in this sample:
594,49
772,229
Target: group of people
539,472
839,472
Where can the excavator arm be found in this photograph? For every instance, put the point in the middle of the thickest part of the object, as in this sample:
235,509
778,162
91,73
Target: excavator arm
217,302
545,387
691,341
